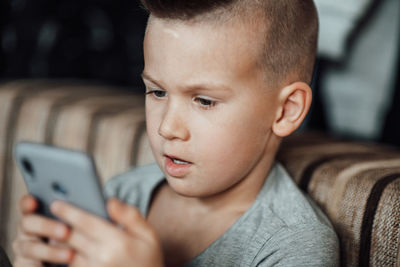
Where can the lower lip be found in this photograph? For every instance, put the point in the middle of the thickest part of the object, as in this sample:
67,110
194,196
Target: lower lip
176,170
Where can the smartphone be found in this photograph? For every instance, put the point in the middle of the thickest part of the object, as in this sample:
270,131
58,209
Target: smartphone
52,173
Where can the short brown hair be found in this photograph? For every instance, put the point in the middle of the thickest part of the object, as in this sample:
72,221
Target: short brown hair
290,43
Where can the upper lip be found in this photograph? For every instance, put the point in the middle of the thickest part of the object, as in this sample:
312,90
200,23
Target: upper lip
175,157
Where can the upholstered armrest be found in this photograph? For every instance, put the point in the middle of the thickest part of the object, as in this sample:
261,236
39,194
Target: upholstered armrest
358,186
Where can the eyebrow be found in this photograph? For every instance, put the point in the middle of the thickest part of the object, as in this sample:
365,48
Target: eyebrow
193,87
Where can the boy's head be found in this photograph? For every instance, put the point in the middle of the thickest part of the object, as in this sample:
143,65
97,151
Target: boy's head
225,80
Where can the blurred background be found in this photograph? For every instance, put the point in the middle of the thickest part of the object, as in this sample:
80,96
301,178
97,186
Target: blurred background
356,82
97,40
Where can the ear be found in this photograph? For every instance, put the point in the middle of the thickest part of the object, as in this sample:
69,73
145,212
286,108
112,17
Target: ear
295,101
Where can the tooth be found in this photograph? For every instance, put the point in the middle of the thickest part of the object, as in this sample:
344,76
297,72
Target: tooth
177,161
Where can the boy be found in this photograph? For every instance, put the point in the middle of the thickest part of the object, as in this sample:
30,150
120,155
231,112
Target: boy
225,81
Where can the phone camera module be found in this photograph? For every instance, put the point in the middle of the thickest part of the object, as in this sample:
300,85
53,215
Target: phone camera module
27,165
59,189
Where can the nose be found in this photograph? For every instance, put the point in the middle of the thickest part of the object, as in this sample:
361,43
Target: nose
173,125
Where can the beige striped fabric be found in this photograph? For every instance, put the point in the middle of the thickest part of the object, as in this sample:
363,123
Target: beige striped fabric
358,187
356,184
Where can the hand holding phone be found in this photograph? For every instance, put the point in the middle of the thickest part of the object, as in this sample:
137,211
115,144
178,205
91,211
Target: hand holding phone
52,173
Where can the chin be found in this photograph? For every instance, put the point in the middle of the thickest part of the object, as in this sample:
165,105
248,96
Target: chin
187,189
181,187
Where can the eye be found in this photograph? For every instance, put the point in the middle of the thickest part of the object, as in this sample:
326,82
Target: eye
207,103
157,93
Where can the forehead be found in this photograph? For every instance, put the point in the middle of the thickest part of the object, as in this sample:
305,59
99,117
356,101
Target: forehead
191,51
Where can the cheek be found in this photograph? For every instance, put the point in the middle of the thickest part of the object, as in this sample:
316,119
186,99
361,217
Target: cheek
226,158
236,144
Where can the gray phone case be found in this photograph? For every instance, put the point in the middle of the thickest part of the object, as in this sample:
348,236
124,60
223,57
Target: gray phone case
52,173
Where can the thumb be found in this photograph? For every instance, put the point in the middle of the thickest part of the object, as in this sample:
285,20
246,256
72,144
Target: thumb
128,217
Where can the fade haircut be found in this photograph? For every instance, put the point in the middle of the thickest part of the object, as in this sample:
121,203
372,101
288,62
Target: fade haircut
289,30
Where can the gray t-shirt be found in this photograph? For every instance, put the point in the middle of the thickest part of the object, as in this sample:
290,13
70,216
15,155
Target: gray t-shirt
283,227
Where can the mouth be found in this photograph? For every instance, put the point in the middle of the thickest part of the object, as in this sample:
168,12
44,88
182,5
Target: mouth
177,160
177,167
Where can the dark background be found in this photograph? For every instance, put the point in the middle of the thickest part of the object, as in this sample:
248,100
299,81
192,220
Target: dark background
102,41
99,40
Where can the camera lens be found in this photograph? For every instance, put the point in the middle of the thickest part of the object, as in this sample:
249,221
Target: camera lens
59,189
26,164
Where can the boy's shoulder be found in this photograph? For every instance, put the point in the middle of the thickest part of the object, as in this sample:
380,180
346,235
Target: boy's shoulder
135,186
288,202
298,233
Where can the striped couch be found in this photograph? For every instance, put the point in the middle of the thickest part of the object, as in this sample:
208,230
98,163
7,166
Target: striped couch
356,184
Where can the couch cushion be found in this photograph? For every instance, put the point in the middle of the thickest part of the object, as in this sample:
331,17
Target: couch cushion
358,186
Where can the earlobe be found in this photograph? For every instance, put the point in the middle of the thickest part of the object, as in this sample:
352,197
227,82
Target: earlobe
295,101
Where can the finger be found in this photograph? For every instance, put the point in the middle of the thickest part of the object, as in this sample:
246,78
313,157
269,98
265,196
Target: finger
28,204
80,220
82,243
21,235
39,226
39,251
128,217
